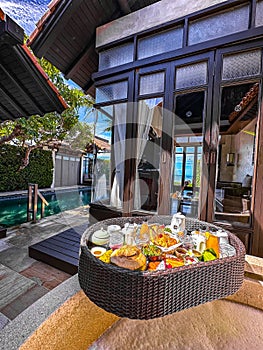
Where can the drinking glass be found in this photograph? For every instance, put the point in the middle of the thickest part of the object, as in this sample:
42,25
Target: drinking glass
116,237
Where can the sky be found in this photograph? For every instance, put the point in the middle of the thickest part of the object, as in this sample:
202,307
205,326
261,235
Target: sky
25,12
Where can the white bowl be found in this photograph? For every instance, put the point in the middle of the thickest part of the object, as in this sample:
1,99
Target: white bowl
97,251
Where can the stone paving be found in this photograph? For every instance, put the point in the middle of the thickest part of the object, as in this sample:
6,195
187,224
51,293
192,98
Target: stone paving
24,280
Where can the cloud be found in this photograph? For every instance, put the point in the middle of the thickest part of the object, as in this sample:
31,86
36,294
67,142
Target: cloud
25,12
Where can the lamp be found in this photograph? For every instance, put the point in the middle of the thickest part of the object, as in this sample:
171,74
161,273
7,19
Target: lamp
230,157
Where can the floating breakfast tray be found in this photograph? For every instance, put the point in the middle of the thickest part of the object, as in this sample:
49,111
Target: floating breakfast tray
151,294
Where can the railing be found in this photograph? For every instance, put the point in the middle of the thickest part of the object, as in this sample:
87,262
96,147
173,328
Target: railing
33,194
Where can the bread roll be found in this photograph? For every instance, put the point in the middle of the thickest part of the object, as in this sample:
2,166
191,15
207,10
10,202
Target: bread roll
128,257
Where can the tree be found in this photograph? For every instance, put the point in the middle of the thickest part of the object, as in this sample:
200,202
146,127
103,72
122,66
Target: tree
52,128
80,136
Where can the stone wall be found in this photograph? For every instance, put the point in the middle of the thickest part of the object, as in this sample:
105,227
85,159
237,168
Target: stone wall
149,17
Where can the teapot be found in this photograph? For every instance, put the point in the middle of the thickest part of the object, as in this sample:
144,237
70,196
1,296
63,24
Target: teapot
178,222
100,237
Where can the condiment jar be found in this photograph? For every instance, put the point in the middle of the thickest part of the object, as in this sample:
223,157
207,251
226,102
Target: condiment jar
223,237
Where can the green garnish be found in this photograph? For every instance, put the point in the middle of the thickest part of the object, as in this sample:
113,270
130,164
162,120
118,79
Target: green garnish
151,250
208,255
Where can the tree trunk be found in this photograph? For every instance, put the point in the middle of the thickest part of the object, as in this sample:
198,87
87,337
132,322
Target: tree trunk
25,160
54,168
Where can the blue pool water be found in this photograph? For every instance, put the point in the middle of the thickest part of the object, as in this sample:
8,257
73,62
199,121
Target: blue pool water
13,210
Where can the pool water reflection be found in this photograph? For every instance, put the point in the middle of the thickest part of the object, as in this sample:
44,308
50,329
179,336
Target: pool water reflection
13,209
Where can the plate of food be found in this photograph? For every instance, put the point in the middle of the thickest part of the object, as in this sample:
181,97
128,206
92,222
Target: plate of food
166,242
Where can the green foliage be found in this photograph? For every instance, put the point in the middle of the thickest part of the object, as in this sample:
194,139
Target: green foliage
39,170
52,128
79,136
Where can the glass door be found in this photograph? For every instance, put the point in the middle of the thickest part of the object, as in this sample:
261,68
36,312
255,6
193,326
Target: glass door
149,121
238,113
192,113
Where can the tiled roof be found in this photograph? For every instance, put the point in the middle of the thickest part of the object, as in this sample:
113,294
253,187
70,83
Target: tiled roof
101,145
41,23
65,35
25,88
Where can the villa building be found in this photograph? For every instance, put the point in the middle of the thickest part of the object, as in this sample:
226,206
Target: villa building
179,84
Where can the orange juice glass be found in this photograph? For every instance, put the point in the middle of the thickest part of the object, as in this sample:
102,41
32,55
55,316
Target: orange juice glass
213,242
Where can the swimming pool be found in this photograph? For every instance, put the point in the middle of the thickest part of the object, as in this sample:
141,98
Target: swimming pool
13,209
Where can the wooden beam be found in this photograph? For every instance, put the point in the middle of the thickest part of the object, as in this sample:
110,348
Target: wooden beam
88,86
54,24
21,89
124,6
6,113
74,66
235,126
12,101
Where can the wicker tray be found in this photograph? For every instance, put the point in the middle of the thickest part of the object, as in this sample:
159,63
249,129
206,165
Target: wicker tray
147,295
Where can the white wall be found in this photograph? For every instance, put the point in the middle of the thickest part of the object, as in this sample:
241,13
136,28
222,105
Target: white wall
242,146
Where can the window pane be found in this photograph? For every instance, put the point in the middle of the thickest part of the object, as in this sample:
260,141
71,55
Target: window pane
216,26
112,92
192,75
189,169
189,113
244,64
160,43
259,14
178,168
197,139
152,83
116,56
181,140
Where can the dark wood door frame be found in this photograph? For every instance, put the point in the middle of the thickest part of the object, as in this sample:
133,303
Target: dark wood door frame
257,207
256,241
204,187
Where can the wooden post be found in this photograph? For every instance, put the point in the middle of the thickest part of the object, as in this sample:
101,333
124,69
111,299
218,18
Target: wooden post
35,187
43,203
29,202
33,194
42,209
